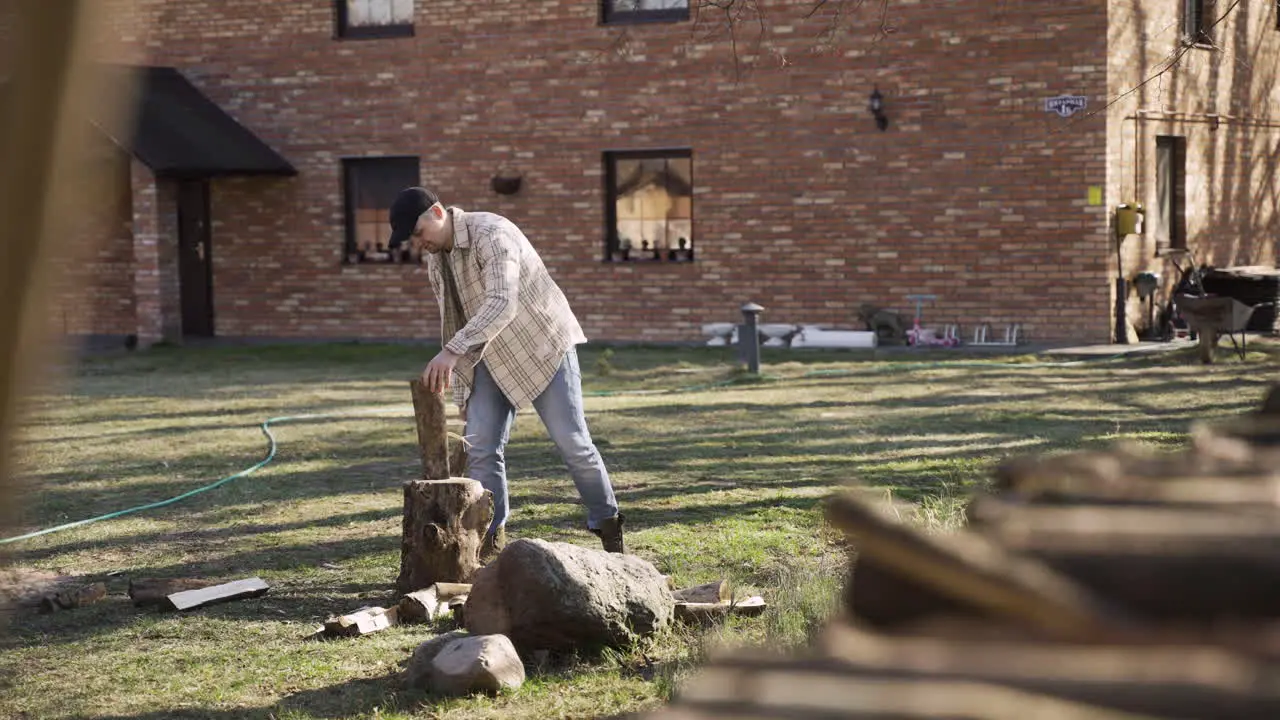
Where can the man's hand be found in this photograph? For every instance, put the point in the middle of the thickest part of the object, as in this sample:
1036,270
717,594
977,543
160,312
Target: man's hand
436,375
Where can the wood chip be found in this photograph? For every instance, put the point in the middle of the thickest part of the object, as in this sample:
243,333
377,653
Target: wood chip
361,622
71,599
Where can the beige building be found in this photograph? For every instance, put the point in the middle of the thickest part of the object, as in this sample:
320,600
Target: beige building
1193,137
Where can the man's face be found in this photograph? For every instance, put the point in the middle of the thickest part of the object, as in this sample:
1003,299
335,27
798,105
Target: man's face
431,233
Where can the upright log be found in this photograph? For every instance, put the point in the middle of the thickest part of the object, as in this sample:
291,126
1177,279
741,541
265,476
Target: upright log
433,435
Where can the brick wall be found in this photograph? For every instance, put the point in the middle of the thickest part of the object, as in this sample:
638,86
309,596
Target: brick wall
94,293
155,252
1232,196
974,194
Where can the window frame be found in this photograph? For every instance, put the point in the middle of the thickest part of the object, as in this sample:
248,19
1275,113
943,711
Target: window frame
609,16
344,31
349,170
610,159
1197,34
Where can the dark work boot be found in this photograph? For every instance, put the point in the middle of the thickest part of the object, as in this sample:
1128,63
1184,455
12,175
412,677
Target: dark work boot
610,534
492,545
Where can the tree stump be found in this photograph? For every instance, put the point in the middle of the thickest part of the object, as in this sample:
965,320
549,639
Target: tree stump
444,524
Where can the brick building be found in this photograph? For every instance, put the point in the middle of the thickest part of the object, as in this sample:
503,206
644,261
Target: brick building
670,165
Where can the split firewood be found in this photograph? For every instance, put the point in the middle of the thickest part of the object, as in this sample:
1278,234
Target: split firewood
1167,563
1250,438
963,573
226,592
361,622
1021,473
71,599
432,602
450,590
156,591
750,607
1221,449
752,686
457,608
458,459
1184,680
1249,495
419,606
700,612
716,592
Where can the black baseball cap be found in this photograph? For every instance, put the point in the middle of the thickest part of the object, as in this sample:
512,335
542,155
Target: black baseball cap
405,211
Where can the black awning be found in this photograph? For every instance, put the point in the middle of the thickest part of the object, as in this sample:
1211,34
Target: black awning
178,131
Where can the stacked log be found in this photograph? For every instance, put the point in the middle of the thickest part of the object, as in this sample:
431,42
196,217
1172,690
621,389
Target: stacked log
1121,583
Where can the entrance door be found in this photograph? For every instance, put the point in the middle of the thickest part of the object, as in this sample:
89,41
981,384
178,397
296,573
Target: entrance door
195,261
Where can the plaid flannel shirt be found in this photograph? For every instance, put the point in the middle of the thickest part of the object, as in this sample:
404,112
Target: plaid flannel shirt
517,319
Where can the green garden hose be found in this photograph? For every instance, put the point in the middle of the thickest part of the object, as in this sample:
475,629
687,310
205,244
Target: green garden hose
271,454
271,438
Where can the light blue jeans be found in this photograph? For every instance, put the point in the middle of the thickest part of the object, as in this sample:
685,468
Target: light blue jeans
489,418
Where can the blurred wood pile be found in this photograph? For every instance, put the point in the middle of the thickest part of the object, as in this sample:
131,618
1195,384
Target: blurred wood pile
1103,585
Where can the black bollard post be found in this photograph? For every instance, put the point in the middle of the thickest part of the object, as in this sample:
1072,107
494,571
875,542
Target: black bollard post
749,337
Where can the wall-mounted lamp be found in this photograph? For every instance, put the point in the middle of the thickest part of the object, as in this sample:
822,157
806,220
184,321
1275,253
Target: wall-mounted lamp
876,106
506,182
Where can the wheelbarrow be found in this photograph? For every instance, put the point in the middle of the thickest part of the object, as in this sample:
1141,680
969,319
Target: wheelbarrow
1211,315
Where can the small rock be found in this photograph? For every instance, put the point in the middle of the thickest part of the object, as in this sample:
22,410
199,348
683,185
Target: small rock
459,663
419,668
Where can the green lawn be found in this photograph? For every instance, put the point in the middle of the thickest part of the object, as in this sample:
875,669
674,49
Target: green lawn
721,477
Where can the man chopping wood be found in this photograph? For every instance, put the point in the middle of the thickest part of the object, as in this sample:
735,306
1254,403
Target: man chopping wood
510,342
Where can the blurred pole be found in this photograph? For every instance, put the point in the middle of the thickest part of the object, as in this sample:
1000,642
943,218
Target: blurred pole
749,337
48,185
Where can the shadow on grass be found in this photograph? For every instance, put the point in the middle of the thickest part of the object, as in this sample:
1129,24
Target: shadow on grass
690,444
357,697
311,595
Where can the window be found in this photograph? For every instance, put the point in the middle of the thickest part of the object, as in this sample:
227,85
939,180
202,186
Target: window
638,11
1195,21
369,187
649,206
1171,191
374,18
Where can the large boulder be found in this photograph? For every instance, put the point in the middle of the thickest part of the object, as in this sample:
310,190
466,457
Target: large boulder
556,596
460,664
